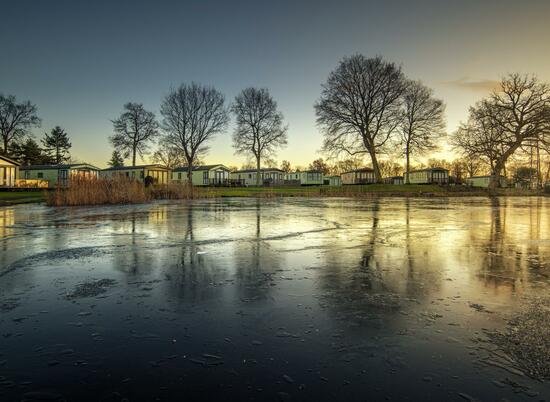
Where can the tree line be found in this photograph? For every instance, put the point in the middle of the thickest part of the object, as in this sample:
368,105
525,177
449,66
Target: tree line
367,108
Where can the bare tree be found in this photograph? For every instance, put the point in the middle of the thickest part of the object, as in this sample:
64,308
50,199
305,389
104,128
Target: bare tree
260,131
134,131
16,119
319,165
389,168
347,165
192,115
168,155
458,170
500,124
285,166
439,163
359,108
472,165
423,122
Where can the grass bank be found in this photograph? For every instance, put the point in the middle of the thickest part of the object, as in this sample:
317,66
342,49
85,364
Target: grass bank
365,191
124,191
21,197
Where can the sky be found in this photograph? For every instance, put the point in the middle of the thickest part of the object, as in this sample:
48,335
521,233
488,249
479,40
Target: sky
80,61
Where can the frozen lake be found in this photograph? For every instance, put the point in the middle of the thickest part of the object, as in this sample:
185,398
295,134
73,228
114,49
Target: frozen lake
272,299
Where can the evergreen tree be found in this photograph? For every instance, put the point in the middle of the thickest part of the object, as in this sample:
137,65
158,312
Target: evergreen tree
116,159
57,145
28,153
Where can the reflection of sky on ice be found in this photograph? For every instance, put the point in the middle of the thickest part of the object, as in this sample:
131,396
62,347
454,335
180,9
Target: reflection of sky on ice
330,286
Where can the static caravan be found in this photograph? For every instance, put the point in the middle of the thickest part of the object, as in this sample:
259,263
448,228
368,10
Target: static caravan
332,181
59,175
305,178
359,176
9,172
269,177
156,174
206,175
428,176
483,181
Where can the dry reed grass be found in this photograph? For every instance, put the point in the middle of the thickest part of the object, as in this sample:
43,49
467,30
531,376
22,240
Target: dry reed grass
120,190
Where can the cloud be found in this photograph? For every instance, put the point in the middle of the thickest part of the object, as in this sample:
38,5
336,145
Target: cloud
475,85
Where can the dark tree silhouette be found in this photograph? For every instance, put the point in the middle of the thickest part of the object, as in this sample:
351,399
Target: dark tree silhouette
359,108
500,124
134,131
28,152
116,159
192,115
260,131
423,122
56,145
16,120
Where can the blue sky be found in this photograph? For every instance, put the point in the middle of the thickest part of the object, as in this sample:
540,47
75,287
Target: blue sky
79,62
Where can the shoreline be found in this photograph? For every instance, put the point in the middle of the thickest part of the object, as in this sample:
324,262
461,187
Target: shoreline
9,198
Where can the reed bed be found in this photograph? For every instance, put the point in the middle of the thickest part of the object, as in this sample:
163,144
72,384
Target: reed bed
120,190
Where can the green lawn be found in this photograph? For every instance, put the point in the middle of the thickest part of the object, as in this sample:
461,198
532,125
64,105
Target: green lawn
312,191
21,197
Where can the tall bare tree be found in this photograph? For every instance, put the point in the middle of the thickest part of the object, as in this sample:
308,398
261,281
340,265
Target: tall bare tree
500,124
192,115
260,130
16,120
423,122
134,131
359,108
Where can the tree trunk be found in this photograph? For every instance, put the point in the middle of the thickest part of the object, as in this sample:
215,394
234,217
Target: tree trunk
258,172
376,167
494,181
190,174
134,156
5,145
408,166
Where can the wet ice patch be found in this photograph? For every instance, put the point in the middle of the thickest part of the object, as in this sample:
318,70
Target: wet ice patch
55,255
8,304
527,338
90,289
